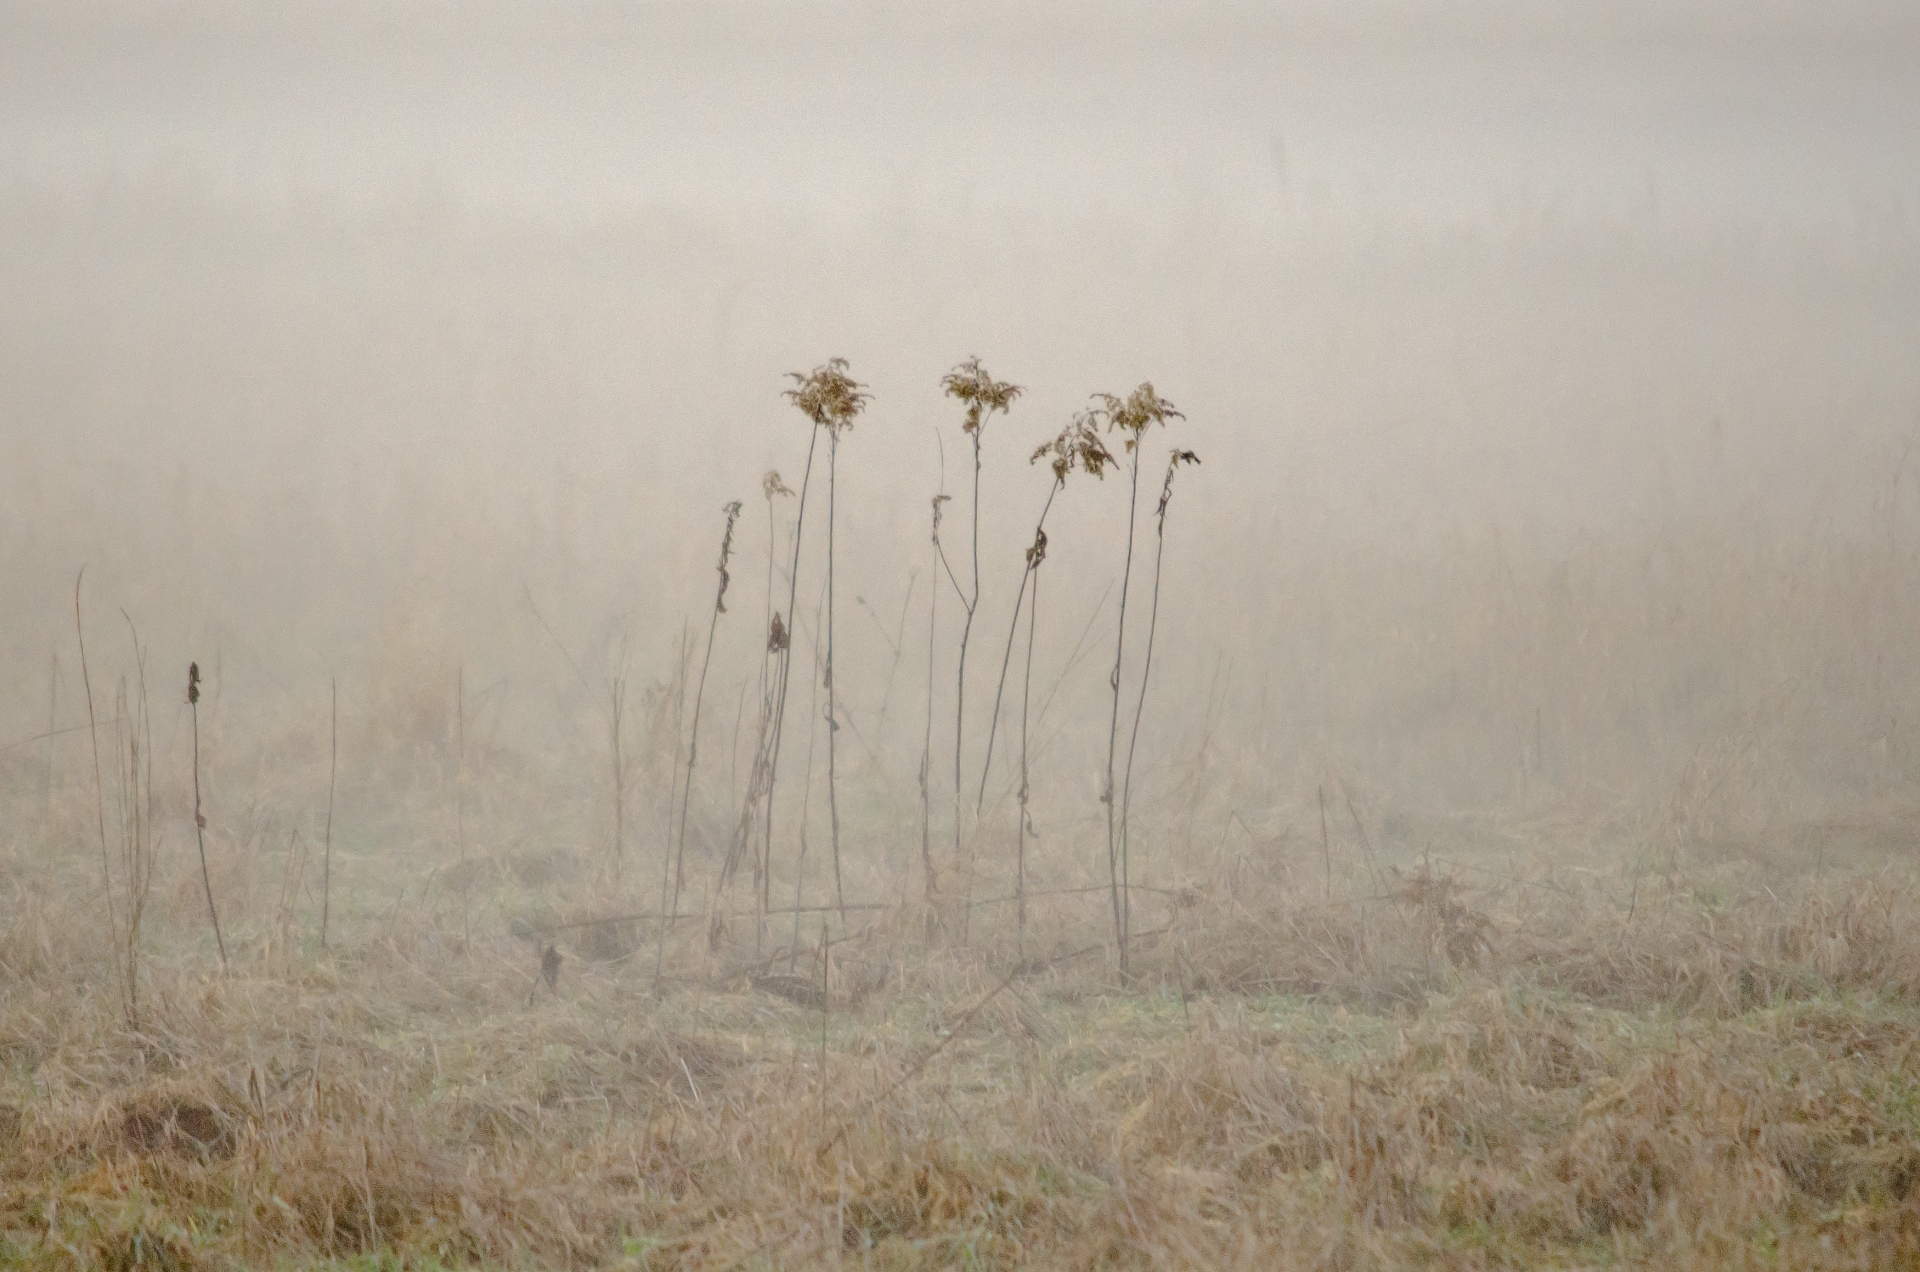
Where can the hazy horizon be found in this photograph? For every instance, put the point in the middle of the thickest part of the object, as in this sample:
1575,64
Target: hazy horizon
336,328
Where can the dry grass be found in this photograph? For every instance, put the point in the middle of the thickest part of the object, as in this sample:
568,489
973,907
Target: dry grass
1440,1066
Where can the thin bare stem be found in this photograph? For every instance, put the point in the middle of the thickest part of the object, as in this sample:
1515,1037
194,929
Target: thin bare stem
896,643
1115,867
1142,409
1006,659
806,782
970,602
53,712
199,819
99,790
833,709
1026,697
780,695
1146,665
929,879
732,511
969,383
137,841
460,803
616,730
333,769
830,398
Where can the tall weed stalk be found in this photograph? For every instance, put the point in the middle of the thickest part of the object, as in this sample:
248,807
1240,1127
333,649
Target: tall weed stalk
127,991
678,860
929,875
1132,417
1077,447
1174,461
199,818
970,384
831,399
760,774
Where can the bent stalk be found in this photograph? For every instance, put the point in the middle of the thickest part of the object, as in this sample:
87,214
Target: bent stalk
1146,665
677,861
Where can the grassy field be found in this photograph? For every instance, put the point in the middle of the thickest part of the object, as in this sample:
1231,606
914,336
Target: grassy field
1551,1047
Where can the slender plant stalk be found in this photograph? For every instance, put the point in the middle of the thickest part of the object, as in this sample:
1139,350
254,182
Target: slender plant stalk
970,383
137,821
1077,447
806,786
1146,667
1026,697
1006,658
693,746
783,636
896,643
53,715
833,710
930,878
969,602
830,398
460,805
616,730
99,793
681,675
137,899
748,822
733,747
825,950
333,768
1326,845
460,762
199,819
1142,408
1115,869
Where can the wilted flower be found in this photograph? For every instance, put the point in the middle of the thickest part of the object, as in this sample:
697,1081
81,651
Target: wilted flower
726,552
970,383
1078,446
828,395
1141,408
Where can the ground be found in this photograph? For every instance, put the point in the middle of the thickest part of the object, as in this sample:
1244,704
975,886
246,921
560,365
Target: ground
1515,1057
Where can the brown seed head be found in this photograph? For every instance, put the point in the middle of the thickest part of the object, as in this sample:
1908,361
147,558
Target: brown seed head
1174,461
828,396
970,383
1078,446
1038,552
1140,409
726,552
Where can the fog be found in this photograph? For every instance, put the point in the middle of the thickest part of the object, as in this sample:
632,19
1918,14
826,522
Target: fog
1552,374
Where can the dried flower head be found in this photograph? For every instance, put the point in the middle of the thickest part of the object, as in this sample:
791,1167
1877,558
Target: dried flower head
1038,552
937,501
1140,409
726,552
1078,446
771,485
828,396
193,682
970,383
1174,461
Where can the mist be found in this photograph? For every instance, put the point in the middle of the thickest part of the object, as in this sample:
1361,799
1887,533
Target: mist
1552,374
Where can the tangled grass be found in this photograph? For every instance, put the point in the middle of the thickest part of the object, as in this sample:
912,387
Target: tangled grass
1704,1068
